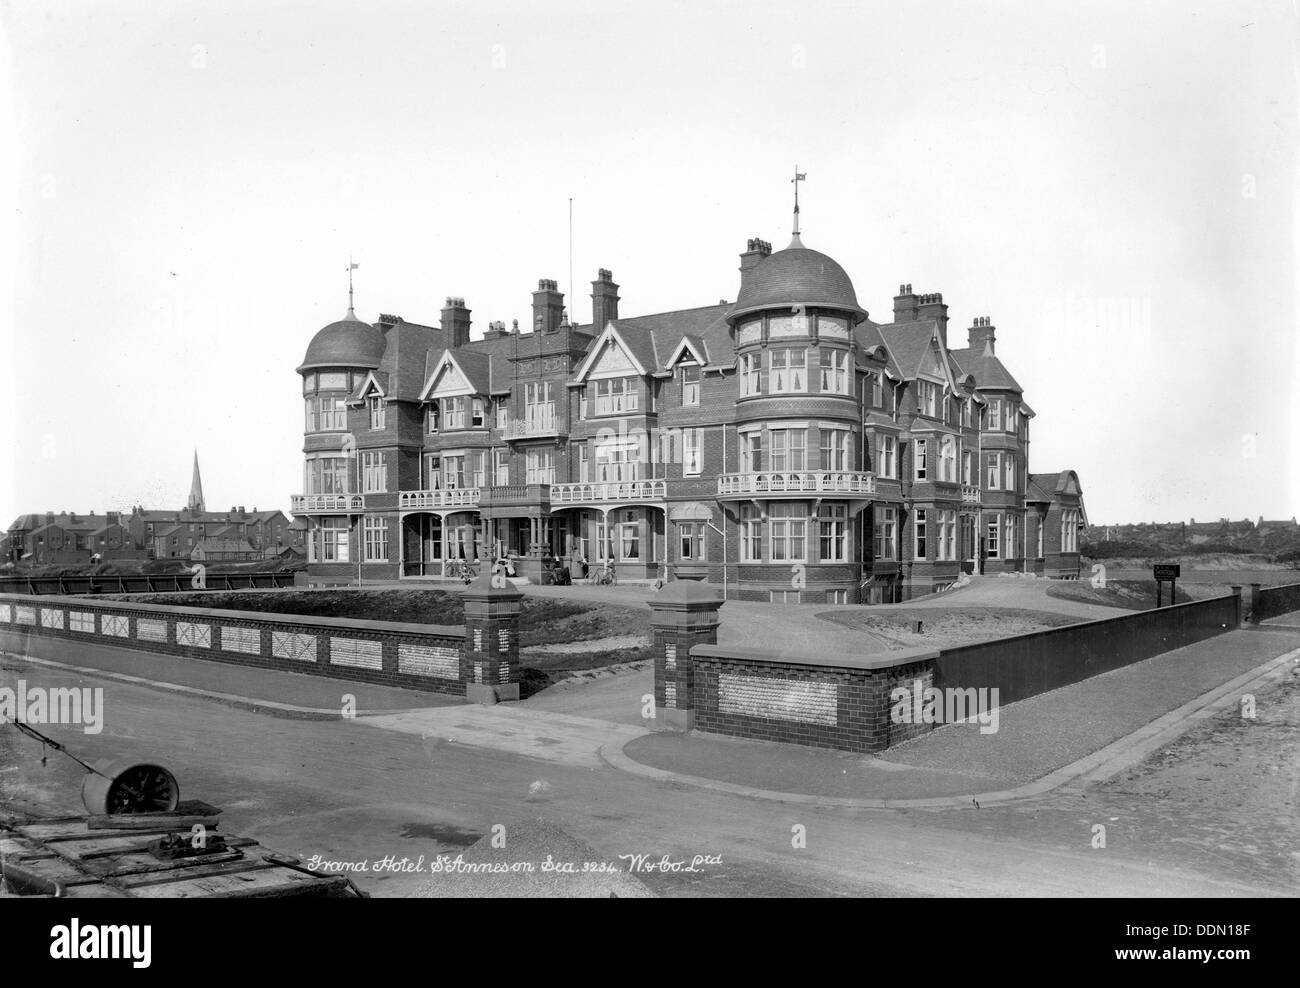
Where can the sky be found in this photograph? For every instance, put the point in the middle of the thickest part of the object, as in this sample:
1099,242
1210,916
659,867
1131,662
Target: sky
1114,184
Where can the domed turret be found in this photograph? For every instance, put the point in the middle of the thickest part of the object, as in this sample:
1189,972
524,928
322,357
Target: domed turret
796,276
346,343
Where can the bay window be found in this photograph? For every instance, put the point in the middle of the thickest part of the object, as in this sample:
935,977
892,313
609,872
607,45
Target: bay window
948,459
539,466
947,535
453,413
834,371
616,461
928,398
889,457
920,451
751,534
789,371
376,540
1009,536
476,413
751,374
993,418
788,449
834,452
333,534
920,546
788,523
751,451
616,396
374,472
834,533
886,533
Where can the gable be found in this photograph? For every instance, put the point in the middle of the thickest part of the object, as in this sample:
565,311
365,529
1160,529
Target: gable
612,361
448,380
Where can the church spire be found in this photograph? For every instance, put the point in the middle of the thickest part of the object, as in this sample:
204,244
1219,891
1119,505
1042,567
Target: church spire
798,177
196,488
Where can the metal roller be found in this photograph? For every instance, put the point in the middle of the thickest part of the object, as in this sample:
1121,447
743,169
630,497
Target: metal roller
125,786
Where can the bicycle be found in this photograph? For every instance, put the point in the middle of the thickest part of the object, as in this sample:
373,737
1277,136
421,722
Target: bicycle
605,576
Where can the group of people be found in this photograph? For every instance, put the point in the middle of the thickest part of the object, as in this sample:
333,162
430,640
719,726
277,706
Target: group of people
563,571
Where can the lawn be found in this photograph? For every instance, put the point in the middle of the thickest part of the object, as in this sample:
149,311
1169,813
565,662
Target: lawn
943,627
1132,595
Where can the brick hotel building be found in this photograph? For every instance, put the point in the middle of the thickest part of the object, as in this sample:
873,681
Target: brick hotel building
786,444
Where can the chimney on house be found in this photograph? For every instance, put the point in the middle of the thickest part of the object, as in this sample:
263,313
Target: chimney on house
905,305
932,307
604,300
496,329
980,334
455,322
755,251
49,517
548,306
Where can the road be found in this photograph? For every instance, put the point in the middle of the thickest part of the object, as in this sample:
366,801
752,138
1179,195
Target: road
350,791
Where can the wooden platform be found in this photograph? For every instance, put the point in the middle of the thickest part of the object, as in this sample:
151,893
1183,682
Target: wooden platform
81,857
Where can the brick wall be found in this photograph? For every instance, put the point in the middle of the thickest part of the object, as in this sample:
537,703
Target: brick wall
1272,601
773,696
414,656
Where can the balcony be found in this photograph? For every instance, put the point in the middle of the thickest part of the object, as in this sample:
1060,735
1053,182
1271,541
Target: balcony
544,424
451,497
516,496
809,483
326,504
619,492
969,494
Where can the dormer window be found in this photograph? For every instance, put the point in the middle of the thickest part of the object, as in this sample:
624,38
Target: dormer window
377,407
690,375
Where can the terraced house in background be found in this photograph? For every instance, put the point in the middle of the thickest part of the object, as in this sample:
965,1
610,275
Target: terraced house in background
785,445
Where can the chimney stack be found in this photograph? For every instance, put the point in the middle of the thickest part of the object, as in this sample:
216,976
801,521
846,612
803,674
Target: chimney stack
755,251
932,307
548,306
980,334
604,300
905,305
455,322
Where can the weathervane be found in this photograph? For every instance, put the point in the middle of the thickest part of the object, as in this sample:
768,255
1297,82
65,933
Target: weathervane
798,177
352,266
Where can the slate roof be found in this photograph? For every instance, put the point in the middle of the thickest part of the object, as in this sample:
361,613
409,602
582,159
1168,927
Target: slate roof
346,343
796,276
989,371
653,338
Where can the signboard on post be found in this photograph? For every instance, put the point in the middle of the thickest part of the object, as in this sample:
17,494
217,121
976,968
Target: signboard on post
1170,572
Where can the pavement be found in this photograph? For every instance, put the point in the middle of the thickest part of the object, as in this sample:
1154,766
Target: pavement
1079,733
